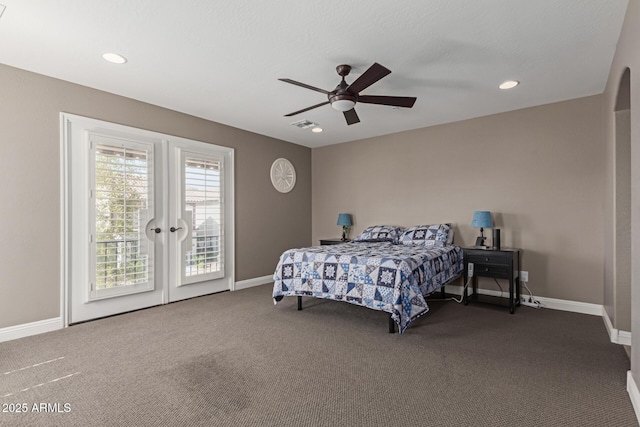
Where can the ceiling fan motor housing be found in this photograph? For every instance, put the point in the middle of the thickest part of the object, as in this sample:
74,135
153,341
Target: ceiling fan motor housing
340,98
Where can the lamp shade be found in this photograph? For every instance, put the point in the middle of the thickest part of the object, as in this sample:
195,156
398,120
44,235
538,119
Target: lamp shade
344,219
482,219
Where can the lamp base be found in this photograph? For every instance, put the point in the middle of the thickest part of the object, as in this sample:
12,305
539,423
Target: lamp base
479,241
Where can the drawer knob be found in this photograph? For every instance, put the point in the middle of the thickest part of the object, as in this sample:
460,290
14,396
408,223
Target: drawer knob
486,259
486,269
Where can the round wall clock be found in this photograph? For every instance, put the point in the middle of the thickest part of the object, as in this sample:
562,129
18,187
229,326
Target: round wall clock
283,175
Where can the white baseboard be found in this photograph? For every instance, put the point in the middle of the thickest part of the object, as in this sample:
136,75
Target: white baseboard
28,329
552,303
624,338
256,281
634,394
615,335
613,332
573,306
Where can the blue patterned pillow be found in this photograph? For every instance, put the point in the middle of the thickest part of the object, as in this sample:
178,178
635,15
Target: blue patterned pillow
380,233
426,235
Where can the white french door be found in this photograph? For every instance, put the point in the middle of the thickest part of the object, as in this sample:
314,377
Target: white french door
148,218
196,218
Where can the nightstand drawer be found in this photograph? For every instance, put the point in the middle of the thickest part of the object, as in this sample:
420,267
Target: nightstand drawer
492,270
490,258
333,241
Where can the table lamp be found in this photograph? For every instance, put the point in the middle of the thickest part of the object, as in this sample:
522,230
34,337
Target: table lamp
483,220
344,219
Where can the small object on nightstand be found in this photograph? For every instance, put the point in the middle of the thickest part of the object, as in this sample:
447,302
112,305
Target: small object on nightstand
344,219
496,239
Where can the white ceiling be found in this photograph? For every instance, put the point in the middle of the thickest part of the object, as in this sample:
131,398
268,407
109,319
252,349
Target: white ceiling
221,60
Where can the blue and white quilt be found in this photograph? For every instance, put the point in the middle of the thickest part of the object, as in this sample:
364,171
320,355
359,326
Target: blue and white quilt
382,276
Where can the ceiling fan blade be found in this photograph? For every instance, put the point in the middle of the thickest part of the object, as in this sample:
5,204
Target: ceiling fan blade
369,77
351,117
293,82
307,109
396,101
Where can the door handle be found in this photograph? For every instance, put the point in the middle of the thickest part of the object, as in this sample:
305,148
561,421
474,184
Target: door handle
157,229
174,229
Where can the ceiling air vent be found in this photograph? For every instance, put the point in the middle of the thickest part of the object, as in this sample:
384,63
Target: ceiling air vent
304,124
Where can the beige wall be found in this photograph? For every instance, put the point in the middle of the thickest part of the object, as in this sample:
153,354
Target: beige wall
622,273
539,170
627,56
267,222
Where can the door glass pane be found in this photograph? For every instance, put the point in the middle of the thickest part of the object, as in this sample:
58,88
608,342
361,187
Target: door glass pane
203,195
121,208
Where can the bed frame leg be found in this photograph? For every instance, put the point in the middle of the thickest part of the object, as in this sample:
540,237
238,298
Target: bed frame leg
299,303
392,325
443,294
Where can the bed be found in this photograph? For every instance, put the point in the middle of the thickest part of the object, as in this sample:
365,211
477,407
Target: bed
391,271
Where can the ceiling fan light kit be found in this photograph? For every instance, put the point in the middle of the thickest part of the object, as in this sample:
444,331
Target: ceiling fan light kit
345,96
343,104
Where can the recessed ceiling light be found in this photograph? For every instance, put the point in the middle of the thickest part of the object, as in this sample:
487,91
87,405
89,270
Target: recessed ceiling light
114,58
509,84
316,129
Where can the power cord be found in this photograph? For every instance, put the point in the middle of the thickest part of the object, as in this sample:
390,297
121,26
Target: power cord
501,291
464,288
469,267
453,298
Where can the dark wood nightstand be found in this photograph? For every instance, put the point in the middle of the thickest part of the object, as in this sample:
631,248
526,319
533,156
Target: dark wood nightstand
499,264
333,241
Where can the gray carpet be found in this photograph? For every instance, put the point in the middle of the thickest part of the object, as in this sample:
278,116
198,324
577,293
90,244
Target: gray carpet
235,359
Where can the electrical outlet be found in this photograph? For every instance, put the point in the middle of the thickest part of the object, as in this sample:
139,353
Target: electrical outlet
524,276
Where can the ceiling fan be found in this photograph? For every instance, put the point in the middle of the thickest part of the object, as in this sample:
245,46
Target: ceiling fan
345,96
